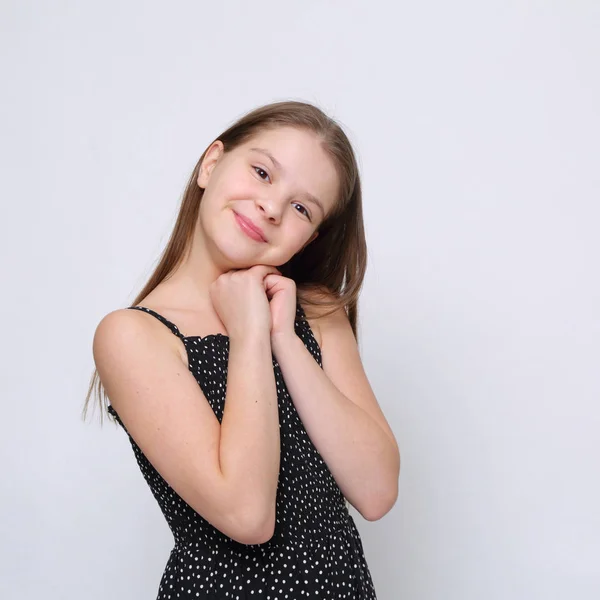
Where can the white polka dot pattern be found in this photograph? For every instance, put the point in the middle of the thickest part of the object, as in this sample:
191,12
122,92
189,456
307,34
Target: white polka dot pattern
316,550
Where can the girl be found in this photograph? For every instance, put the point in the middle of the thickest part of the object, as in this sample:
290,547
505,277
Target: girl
243,396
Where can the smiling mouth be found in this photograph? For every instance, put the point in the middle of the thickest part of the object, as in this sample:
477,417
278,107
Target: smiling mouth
247,229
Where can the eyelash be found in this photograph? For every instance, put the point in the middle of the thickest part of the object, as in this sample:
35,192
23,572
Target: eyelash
257,169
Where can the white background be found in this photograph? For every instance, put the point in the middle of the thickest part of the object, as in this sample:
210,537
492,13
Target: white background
477,125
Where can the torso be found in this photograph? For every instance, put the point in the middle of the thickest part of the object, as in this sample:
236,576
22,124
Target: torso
316,549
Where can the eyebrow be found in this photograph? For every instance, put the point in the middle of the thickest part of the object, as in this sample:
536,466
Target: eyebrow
310,197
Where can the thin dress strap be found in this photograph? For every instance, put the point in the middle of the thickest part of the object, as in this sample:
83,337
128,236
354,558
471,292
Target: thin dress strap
166,322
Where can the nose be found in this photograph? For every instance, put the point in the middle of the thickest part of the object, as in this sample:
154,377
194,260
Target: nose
271,207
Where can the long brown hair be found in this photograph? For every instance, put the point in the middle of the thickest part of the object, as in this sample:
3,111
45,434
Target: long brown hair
334,262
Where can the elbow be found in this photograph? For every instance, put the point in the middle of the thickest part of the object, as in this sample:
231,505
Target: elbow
256,527
380,501
263,529
378,505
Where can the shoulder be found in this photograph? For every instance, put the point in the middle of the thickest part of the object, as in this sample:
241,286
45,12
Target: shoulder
124,331
324,313
322,304
119,326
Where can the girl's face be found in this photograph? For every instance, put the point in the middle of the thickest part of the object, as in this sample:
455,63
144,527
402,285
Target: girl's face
282,180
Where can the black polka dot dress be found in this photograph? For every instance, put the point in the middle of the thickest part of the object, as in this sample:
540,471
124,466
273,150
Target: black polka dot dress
316,550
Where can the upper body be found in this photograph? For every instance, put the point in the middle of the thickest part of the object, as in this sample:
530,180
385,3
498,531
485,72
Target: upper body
229,283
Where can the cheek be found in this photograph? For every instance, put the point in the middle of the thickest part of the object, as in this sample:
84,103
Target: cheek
235,187
294,241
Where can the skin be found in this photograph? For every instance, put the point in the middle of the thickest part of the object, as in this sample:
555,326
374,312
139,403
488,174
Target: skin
228,471
246,180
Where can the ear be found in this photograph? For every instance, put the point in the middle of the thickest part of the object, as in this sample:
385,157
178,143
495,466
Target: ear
214,152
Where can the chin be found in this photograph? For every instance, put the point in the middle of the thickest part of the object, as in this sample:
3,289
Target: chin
235,255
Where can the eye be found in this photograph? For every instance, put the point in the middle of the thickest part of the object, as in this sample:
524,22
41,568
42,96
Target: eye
305,210
262,173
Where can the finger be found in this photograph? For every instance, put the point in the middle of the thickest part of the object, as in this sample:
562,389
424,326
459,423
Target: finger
272,282
264,270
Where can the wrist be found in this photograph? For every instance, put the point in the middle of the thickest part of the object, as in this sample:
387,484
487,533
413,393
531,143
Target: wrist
251,340
280,339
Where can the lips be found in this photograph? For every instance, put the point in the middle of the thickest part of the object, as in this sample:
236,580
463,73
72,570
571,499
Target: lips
248,223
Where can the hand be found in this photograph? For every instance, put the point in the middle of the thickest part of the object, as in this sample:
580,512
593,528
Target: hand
239,297
281,292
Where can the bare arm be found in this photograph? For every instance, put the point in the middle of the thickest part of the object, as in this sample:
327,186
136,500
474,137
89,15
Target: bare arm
250,441
342,415
227,473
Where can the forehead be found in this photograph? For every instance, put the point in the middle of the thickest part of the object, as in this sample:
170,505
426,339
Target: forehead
301,160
